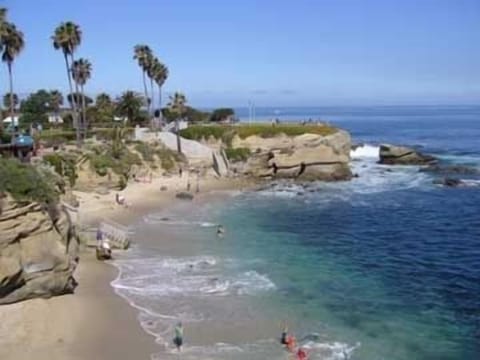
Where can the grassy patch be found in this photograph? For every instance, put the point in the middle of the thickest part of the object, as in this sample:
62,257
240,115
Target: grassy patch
26,183
227,132
238,154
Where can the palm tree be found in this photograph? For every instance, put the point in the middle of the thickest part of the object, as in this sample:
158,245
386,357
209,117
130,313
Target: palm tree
143,54
56,101
129,105
7,99
67,37
82,71
177,107
160,76
13,44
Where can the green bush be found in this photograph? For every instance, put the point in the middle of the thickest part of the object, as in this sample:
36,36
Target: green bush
238,154
200,132
25,183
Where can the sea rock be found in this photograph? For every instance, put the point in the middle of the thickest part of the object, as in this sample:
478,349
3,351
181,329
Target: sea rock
450,170
38,251
401,155
449,182
306,157
184,196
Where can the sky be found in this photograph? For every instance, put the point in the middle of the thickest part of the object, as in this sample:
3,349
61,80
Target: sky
271,52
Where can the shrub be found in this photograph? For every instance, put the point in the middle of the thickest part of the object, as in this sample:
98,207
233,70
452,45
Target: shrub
238,154
200,132
25,183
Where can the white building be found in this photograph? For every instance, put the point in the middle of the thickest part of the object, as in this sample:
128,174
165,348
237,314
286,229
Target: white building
8,121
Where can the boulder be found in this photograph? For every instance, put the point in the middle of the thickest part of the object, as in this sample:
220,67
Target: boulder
38,251
184,196
401,155
305,157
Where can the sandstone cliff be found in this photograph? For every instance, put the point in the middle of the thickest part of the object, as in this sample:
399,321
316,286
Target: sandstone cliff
38,251
304,157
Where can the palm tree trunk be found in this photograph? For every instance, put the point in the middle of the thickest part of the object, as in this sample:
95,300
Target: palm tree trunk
146,91
160,103
179,144
73,105
74,98
12,106
152,97
84,111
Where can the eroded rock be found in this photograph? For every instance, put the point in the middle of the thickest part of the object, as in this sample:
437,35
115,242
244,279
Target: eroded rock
401,155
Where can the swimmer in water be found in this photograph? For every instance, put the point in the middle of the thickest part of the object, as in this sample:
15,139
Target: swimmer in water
220,231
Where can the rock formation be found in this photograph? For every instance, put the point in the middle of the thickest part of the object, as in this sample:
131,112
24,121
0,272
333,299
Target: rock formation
38,251
305,157
400,155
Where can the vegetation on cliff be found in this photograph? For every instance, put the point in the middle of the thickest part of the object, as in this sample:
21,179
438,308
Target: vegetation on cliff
227,132
26,183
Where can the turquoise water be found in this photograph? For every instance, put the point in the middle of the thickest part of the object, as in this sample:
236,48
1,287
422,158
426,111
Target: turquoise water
386,266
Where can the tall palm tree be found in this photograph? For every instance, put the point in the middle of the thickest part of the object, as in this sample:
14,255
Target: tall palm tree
13,44
67,37
177,106
143,54
82,72
160,76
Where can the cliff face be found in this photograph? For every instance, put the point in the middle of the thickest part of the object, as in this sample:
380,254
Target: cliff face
305,157
38,251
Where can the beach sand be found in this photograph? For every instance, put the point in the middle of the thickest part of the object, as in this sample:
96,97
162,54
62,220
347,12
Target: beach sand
94,323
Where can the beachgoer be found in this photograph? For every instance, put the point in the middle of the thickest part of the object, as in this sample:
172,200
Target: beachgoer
178,339
120,200
301,354
99,238
283,338
291,343
180,172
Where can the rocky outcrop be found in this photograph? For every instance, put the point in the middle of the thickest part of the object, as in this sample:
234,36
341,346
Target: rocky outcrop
38,251
305,157
400,155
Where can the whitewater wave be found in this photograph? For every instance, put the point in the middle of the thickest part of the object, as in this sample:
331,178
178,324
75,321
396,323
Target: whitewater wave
365,152
153,219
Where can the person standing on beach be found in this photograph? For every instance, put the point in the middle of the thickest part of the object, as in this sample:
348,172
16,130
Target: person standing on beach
178,339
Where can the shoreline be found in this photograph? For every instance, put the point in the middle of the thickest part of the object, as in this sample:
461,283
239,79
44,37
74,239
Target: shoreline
81,325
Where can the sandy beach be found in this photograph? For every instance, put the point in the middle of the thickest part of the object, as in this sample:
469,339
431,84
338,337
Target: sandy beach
94,322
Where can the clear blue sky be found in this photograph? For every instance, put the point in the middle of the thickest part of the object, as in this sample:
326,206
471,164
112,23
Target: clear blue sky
275,52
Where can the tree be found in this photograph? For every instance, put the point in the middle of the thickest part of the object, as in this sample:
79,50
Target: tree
82,71
222,114
143,55
177,107
56,101
7,98
12,43
104,108
35,107
67,38
129,105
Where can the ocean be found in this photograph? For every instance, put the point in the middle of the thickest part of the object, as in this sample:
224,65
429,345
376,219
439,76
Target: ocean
386,266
